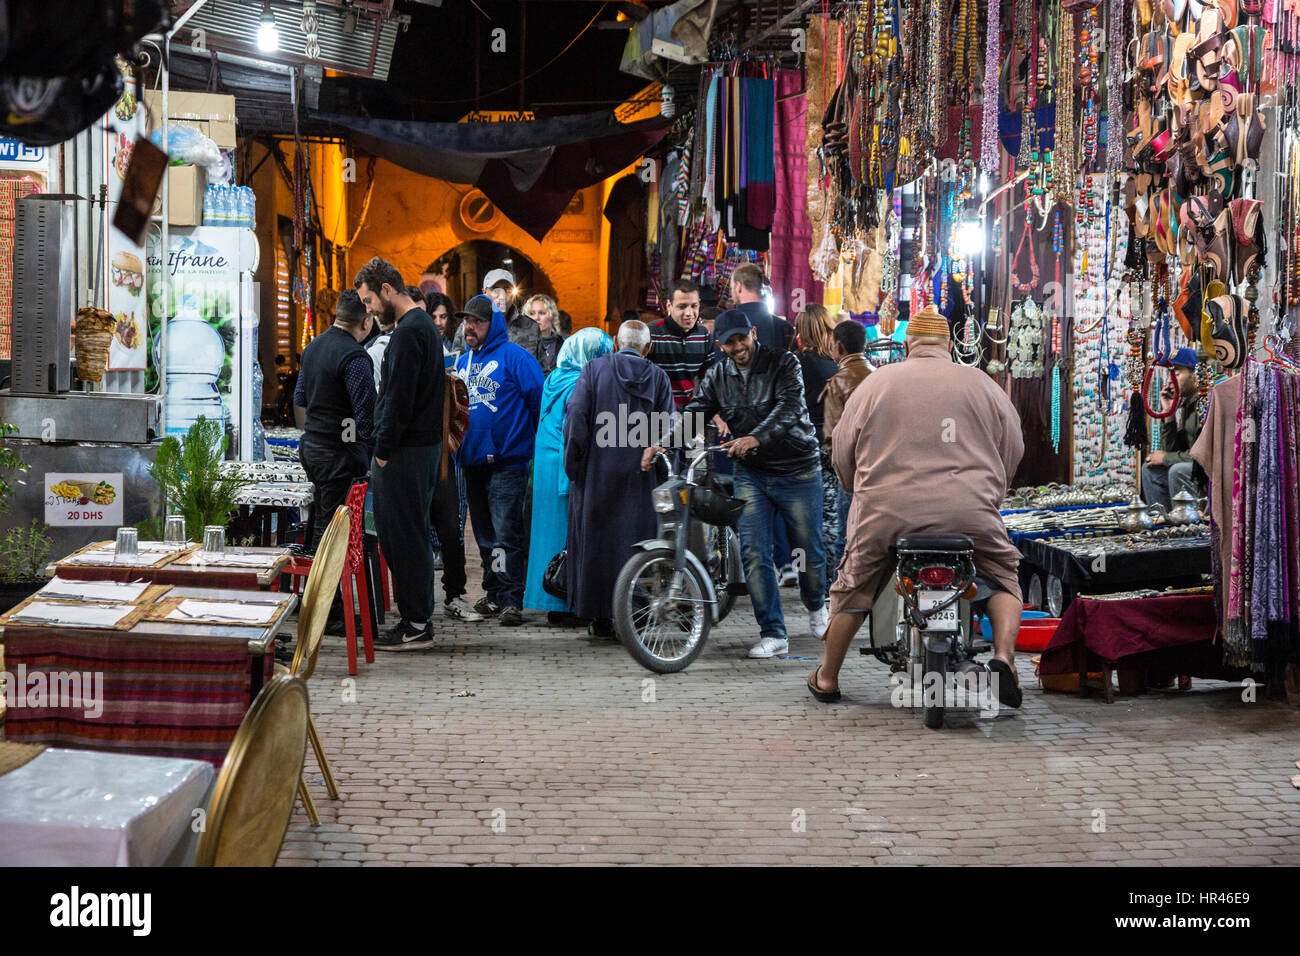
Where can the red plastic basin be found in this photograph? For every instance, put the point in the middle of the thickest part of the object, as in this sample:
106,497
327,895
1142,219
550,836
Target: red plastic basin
1036,634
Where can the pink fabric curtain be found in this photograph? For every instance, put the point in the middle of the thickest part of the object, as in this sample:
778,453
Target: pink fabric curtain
791,231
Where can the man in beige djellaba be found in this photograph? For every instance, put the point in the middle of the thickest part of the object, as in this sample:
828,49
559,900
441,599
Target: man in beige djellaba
927,446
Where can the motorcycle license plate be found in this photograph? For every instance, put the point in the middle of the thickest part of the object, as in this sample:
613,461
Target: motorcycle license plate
945,620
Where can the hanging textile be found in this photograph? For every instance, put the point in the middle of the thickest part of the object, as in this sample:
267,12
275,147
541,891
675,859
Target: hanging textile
1257,570
791,230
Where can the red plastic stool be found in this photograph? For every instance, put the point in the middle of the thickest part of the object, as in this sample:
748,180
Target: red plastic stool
354,573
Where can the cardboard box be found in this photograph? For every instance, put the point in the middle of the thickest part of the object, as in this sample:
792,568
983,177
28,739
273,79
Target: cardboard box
185,202
213,114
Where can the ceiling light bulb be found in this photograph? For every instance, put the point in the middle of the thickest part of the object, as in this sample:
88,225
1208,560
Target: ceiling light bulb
268,35
970,238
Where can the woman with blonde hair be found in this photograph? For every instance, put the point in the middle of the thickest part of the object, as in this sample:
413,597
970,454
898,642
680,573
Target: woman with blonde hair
537,330
814,330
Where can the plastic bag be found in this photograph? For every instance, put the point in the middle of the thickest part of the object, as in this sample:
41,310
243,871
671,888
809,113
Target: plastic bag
186,145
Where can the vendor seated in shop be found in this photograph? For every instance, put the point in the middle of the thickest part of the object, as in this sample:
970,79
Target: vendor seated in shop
1169,471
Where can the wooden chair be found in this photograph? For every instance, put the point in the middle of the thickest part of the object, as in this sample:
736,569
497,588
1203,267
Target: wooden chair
313,610
253,797
354,573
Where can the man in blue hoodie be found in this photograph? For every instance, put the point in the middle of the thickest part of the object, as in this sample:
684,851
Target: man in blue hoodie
505,398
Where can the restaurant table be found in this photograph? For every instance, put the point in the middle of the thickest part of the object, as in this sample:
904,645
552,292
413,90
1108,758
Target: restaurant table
1174,635
178,571
87,808
169,688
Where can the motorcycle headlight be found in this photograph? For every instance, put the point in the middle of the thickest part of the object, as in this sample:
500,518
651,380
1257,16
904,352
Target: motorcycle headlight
663,498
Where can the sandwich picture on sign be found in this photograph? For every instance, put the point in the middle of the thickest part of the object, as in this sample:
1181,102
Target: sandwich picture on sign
127,272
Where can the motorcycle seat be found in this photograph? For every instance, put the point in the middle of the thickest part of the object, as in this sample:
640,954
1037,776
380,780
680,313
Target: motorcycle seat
935,542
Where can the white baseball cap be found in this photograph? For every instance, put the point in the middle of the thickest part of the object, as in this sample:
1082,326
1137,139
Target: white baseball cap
498,275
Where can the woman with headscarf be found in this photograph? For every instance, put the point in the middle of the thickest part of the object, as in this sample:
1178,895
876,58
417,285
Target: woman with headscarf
550,522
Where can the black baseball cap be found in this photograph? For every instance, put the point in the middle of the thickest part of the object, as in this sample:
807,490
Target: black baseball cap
480,307
729,323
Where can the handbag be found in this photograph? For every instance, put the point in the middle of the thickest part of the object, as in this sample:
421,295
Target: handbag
554,581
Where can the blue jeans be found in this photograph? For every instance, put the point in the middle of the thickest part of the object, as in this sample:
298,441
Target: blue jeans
843,498
496,508
798,500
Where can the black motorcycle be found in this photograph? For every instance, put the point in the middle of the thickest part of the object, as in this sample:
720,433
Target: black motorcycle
923,630
681,582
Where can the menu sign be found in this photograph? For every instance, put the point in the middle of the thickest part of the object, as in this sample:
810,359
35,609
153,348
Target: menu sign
83,499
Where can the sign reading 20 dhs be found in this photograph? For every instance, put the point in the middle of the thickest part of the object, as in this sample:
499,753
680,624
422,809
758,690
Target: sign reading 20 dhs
83,499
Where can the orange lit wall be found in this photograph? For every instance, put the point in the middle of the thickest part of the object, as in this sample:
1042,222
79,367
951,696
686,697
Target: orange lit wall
413,220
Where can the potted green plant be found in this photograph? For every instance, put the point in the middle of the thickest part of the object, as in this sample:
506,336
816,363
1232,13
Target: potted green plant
191,480
9,461
23,553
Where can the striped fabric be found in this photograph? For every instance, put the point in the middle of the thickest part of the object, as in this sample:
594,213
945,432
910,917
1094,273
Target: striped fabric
165,696
684,356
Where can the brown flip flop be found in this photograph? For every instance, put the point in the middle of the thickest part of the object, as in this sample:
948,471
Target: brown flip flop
825,696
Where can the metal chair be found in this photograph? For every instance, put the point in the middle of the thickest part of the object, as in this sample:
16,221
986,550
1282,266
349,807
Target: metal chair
253,797
313,610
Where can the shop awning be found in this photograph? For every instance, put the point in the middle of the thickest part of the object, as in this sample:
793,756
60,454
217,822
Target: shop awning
530,170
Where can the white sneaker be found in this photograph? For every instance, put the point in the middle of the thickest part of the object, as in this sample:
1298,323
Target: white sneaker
769,647
818,621
461,610
787,577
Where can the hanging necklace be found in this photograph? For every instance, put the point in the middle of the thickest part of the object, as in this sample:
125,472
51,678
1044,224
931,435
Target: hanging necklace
1032,284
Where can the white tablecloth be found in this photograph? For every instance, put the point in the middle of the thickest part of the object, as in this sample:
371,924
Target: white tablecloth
87,808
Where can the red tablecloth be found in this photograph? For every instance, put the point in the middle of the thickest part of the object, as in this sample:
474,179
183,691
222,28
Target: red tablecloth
1174,633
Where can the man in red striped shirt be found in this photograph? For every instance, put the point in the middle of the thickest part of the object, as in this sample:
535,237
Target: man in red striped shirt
679,342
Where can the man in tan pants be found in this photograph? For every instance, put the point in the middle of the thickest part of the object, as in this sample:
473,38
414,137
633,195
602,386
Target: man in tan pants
927,446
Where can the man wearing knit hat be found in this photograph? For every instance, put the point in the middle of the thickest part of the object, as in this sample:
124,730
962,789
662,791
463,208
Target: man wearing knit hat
927,446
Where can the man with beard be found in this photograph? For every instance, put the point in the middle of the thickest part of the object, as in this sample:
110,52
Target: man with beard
408,433
505,398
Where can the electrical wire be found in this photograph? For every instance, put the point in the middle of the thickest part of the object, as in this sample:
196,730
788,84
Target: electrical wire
529,76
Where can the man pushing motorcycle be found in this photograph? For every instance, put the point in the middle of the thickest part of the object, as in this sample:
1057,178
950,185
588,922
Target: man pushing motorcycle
927,446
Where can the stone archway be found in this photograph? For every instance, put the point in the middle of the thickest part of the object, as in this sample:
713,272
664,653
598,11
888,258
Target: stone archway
460,270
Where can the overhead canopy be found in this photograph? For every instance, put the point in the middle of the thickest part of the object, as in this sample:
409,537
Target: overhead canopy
530,169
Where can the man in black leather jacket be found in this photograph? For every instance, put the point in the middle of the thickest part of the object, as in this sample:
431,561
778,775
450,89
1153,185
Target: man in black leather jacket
758,392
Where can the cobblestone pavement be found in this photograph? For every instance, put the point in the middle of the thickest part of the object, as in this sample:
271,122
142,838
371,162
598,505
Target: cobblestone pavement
533,745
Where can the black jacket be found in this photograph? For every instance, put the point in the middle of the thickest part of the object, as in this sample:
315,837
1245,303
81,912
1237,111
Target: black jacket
409,411
773,331
770,407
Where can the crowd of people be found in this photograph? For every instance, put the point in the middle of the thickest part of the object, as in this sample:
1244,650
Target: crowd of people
496,410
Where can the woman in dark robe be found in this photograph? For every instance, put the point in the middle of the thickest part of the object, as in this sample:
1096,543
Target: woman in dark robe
620,406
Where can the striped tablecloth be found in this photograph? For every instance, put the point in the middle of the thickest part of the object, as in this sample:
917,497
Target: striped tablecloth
167,697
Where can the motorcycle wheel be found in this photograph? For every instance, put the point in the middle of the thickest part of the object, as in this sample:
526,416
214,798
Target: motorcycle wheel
725,567
663,640
936,662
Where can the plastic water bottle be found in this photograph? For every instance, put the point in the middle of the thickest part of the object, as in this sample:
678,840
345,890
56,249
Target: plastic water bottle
246,207
252,208
209,206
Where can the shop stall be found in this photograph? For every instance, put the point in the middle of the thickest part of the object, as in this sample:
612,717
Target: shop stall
110,345
1094,194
